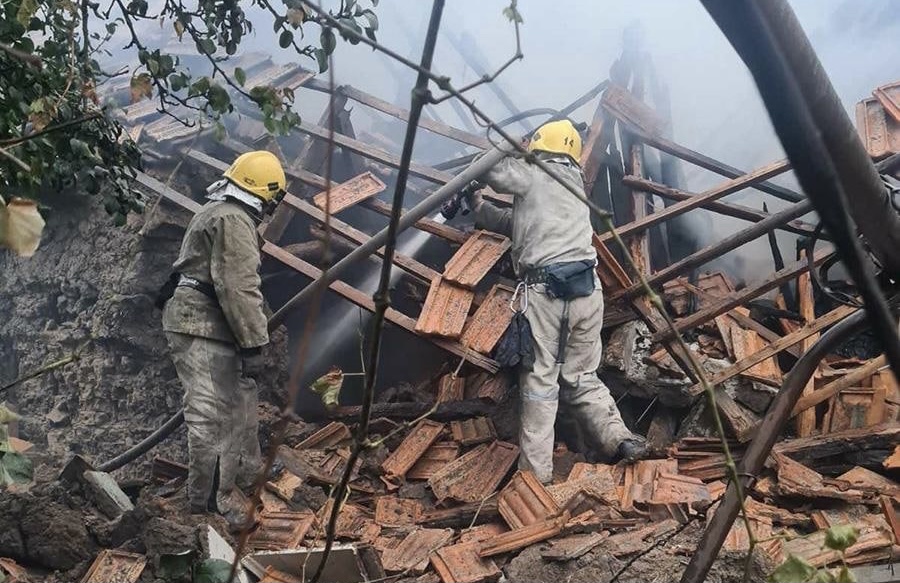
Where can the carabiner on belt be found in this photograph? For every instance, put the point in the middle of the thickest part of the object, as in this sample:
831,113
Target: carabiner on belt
521,288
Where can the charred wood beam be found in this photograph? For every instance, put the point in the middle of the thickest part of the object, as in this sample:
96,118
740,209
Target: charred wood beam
739,298
400,113
720,168
404,262
722,247
725,208
698,201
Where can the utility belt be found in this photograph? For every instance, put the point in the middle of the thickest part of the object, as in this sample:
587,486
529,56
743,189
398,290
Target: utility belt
565,281
177,280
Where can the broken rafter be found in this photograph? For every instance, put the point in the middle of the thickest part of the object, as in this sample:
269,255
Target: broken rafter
774,348
724,208
695,202
727,304
722,247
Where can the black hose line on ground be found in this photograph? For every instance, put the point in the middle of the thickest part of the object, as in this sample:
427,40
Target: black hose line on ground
148,443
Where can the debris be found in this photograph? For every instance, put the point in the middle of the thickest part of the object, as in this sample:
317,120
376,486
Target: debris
475,475
115,566
350,192
473,431
572,547
475,258
13,572
445,309
412,448
393,511
525,501
433,460
413,552
461,563
281,530
332,435
107,495
485,328
450,388
523,537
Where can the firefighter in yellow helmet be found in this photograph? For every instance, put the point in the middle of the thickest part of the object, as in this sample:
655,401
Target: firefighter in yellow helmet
216,328
555,261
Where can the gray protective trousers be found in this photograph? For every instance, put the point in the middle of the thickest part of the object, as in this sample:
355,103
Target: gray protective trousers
221,418
575,381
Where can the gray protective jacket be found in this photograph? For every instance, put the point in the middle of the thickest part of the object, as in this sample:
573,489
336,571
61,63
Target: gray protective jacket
220,247
547,223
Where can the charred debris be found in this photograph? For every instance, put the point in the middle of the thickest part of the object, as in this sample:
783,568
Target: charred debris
440,499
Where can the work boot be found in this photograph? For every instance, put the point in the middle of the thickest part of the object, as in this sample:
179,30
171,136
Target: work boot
632,449
236,509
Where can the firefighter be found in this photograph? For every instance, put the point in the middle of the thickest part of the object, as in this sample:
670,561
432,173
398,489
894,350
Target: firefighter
559,292
216,329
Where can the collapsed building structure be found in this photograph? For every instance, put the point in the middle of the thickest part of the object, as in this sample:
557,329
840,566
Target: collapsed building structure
440,501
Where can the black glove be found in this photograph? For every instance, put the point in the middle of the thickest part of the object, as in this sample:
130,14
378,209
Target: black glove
252,362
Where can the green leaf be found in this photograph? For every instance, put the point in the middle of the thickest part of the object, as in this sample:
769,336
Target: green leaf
371,17
285,39
219,131
327,39
27,9
328,387
841,537
845,575
212,571
322,58
15,468
792,570
240,76
153,67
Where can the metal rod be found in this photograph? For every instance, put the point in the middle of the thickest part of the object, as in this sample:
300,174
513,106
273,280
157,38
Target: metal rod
769,429
420,211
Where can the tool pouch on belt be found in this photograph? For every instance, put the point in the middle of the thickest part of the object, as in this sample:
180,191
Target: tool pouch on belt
516,345
570,280
167,290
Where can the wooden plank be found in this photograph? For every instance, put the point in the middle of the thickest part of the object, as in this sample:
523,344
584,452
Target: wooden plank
743,423
890,515
835,387
729,209
668,146
720,248
403,114
806,421
350,192
485,328
639,244
365,301
751,292
746,343
445,310
698,201
404,262
475,258
828,319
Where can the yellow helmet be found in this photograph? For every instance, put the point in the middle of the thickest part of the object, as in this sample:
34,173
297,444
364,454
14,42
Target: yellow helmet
259,173
558,137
